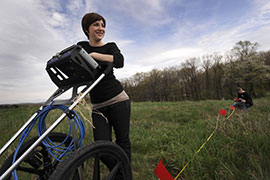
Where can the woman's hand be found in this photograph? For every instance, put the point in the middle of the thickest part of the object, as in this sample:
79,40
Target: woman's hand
242,100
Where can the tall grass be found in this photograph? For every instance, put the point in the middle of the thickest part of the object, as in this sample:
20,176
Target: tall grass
240,148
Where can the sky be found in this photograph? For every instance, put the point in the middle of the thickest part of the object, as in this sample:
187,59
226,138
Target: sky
152,34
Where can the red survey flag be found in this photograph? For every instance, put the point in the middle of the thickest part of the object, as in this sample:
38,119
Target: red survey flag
222,112
161,171
232,107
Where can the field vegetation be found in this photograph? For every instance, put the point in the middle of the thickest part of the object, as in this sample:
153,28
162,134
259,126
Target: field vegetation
240,148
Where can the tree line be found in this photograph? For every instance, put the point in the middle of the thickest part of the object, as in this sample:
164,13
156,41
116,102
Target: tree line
211,76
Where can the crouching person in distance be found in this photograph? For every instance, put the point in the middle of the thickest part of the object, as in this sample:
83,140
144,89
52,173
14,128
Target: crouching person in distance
243,101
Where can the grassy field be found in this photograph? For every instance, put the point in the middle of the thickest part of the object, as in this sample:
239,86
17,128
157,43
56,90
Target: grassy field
240,148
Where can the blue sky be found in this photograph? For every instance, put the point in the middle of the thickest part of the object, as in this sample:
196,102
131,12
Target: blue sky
151,34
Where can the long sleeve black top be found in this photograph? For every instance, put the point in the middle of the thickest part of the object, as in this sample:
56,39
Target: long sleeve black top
109,86
246,97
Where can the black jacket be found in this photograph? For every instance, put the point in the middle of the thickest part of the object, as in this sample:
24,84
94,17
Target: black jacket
246,97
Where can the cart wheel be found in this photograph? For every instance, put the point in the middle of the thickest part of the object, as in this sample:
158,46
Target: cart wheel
38,164
99,160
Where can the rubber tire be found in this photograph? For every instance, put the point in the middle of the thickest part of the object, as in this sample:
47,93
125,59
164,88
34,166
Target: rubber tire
65,169
55,137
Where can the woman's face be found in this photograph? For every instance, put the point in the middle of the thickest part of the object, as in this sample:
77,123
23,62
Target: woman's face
96,31
240,91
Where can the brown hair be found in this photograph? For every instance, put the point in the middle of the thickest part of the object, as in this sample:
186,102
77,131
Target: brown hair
89,19
238,89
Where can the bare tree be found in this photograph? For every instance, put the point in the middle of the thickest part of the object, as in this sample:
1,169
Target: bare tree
245,49
207,63
191,74
215,79
218,73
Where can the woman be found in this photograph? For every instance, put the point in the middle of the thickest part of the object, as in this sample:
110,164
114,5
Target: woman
110,103
243,101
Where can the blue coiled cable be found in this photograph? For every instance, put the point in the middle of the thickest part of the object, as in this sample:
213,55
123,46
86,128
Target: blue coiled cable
57,151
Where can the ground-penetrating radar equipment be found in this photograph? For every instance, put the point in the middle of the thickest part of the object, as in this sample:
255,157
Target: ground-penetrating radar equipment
71,69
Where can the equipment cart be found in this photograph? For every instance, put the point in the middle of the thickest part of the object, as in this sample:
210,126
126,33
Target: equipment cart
54,155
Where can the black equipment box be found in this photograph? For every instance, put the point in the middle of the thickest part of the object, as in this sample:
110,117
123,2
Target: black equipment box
72,66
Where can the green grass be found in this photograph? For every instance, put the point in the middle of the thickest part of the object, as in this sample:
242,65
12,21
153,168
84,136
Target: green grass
240,148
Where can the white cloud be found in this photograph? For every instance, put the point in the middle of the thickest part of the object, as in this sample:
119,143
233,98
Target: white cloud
125,42
260,37
28,40
75,6
149,13
155,57
52,5
57,19
169,57
33,30
175,50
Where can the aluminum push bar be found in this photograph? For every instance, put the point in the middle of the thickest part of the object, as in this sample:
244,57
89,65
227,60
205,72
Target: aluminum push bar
83,72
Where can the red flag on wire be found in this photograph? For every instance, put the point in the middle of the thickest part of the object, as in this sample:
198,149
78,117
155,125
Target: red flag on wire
222,112
161,171
232,107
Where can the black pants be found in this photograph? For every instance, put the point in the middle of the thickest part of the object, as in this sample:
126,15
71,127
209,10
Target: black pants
241,105
118,117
